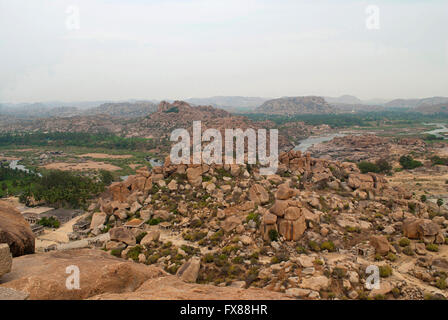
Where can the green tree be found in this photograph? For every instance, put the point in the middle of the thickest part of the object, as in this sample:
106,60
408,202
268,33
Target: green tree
439,203
407,162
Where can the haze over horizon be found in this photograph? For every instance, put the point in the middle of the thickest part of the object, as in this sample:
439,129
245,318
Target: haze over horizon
193,48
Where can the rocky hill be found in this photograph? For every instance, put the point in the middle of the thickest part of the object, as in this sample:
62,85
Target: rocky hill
229,102
124,109
296,105
431,109
415,103
179,114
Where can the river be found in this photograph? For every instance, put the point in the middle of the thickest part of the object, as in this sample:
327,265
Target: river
307,143
437,132
14,164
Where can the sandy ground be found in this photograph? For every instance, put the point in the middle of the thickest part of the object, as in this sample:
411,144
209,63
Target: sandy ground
106,156
430,182
88,165
56,236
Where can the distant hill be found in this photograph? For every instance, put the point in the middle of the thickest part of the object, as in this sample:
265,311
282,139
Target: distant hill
296,105
124,109
415,103
349,108
229,102
37,110
345,99
431,109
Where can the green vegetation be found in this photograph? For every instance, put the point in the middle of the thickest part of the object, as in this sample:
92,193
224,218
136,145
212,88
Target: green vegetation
14,181
62,189
273,235
404,242
380,166
80,139
407,162
398,117
50,222
385,271
432,247
328,245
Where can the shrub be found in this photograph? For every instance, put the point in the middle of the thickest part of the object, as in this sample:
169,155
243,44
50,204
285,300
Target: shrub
391,257
273,235
441,283
134,252
407,162
313,246
328,245
404,242
208,258
50,222
385,271
432,247
154,221
408,251
301,250
139,238
366,167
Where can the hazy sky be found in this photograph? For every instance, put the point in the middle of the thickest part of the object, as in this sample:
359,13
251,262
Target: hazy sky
197,48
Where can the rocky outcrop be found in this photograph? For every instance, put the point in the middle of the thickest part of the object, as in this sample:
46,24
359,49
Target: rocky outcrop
15,231
5,259
189,270
172,288
423,229
43,276
122,234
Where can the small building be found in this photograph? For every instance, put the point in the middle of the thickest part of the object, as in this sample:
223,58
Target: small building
62,215
31,218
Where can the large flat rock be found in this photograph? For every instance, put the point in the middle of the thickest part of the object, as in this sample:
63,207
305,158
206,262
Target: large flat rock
173,288
44,275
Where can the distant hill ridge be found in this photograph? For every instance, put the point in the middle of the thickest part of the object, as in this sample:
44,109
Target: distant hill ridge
296,105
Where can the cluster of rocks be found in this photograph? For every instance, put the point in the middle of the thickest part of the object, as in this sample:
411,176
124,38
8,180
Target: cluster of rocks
309,231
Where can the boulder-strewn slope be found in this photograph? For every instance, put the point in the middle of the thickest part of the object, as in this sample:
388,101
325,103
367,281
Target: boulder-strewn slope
310,231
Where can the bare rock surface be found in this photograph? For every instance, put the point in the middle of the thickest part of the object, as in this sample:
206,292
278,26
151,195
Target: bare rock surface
5,259
44,276
172,288
15,231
